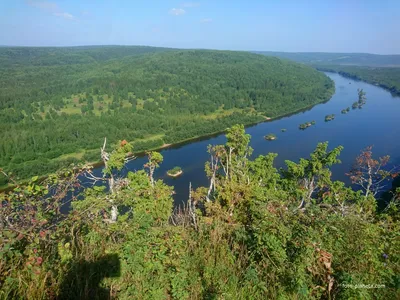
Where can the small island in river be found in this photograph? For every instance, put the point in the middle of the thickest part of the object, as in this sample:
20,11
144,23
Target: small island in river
306,125
270,137
175,172
346,110
329,117
362,99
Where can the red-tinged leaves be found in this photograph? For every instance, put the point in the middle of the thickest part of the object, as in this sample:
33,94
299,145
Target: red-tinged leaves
39,261
370,173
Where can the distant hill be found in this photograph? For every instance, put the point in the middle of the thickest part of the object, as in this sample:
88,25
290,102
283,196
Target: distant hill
51,56
381,70
45,56
385,77
349,59
57,104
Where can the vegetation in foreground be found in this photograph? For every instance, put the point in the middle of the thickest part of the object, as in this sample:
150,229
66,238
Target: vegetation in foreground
254,233
56,104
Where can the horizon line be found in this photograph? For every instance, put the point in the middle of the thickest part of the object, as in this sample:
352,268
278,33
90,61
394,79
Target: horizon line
138,45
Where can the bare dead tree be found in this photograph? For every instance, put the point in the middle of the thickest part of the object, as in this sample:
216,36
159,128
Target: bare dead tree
185,215
105,156
114,183
212,168
192,207
155,158
370,174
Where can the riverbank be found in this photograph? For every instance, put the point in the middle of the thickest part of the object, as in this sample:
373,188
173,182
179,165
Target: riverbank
364,76
261,119
392,90
175,174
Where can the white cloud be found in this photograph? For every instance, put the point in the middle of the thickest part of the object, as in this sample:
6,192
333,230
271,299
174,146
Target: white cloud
50,7
190,4
206,20
177,11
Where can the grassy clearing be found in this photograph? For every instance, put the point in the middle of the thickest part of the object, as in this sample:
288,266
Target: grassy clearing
104,102
78,155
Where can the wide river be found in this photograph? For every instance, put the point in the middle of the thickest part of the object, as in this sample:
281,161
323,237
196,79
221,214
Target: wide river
375,124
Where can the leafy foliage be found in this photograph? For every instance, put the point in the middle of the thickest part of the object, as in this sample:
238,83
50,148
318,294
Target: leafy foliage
255,233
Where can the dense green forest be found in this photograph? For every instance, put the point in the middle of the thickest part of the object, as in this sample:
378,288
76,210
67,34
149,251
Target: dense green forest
388,78
349,59
56,56
254,233
56,104
382,70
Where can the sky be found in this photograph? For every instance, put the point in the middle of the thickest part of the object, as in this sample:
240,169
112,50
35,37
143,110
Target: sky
371,26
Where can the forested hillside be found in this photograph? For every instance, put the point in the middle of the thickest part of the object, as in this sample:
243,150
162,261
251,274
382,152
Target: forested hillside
349,59
388,78
382,70
56,104
51,56
254,232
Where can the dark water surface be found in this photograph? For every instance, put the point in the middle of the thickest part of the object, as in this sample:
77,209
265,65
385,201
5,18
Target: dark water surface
375,124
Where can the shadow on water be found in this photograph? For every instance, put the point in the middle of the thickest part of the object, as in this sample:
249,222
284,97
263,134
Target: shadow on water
84,278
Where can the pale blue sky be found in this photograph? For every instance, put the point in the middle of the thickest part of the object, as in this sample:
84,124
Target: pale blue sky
277,25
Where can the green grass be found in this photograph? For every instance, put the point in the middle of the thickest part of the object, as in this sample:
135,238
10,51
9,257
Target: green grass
220,113
72,105
78,155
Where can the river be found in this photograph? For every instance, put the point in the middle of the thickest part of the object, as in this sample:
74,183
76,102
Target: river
375,124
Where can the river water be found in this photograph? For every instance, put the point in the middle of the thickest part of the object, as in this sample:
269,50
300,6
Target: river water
375,124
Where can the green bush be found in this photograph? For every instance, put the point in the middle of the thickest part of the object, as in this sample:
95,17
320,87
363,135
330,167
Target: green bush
261,233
